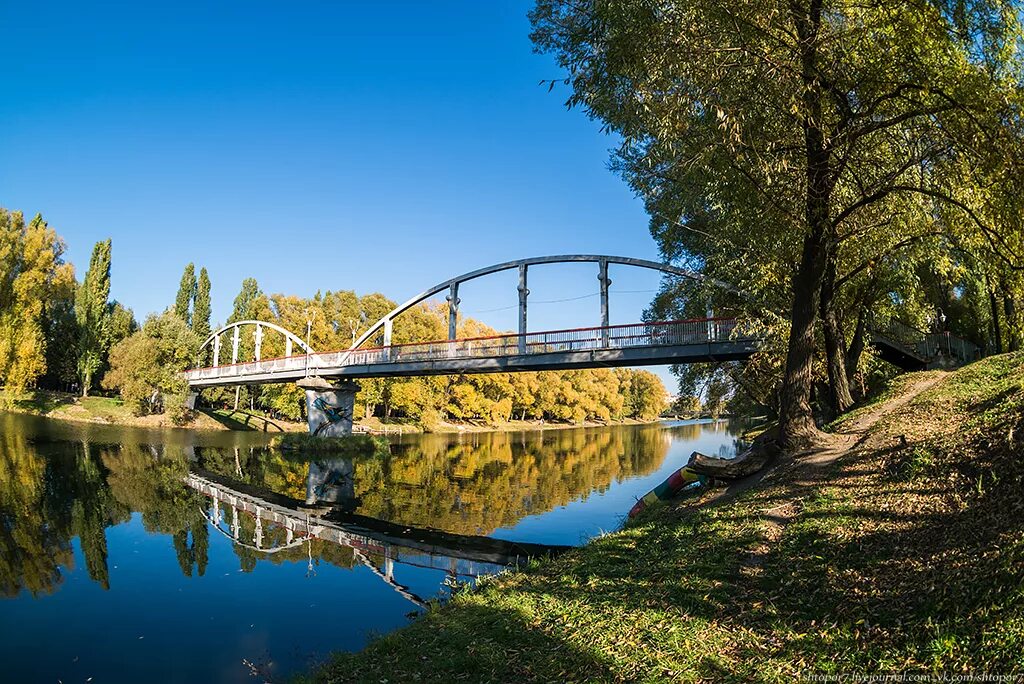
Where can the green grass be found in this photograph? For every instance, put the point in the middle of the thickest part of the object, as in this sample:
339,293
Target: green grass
892,558
55,404
111,410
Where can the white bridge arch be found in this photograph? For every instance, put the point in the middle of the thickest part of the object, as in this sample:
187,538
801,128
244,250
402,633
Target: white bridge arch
213,341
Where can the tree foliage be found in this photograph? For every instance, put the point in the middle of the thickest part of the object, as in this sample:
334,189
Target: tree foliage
201,308
186,294
843,135
32,276
146,367
92,312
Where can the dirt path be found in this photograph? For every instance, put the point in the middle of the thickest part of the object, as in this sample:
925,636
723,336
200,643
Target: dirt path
804,472
830,447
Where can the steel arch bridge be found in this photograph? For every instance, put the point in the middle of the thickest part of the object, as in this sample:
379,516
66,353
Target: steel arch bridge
647,343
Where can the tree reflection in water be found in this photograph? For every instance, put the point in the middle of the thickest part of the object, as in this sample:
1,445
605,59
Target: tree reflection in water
472,484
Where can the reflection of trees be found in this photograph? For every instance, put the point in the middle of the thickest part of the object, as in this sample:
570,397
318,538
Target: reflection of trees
151,481
31,550
53,492
473,484
493,480
45,500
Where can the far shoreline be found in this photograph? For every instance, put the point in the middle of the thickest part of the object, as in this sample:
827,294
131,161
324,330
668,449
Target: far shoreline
99,410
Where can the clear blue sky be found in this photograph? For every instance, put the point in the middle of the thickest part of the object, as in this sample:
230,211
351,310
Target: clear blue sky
314,146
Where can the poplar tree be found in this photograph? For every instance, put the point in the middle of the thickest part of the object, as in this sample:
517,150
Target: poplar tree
92,312
186,293
243,302
201,308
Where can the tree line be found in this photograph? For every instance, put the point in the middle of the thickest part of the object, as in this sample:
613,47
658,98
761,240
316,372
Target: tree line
58,333
843,164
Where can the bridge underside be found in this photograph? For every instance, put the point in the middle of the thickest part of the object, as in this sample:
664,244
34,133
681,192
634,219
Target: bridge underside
898,354
259,373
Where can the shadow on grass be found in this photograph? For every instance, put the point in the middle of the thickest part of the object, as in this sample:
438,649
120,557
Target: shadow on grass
483,643
43,402
240,420
905,558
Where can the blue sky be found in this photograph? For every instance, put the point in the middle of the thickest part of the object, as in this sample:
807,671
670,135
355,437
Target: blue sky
314,146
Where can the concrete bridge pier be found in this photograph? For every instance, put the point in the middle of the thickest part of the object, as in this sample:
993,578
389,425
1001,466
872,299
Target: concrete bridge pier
329,406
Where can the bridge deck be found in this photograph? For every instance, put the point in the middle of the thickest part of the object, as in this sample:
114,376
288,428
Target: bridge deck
711,339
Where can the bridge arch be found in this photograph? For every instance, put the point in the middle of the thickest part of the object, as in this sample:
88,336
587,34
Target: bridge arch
214,340
452,286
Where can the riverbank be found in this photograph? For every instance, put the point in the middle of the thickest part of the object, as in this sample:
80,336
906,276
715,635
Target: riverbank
898,546
102,410
111,411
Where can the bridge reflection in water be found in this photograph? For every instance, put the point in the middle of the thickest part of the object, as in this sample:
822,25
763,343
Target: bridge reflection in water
326,515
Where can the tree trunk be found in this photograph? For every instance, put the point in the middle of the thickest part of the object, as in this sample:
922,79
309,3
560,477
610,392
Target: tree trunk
998,334
856,348
1009,316
796,422
835,343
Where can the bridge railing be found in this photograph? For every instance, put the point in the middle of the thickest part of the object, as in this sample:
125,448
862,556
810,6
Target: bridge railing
928,346
671,333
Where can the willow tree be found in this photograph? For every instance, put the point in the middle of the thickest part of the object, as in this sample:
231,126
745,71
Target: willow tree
762,134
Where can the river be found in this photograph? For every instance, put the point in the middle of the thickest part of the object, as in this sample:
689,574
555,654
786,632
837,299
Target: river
132,555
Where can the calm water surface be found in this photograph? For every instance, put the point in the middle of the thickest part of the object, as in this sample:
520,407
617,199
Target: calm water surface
131,555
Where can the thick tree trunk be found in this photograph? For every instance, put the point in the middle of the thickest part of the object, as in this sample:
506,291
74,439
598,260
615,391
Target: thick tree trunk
796,422
835,343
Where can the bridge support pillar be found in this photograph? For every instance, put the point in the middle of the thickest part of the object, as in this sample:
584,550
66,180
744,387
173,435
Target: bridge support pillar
329,406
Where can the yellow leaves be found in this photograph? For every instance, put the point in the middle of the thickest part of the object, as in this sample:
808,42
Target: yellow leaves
31,274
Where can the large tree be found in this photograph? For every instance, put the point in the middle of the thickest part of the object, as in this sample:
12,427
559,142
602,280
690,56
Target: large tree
146,368
92,311
186,294
201,309
767,136
32,274
242,306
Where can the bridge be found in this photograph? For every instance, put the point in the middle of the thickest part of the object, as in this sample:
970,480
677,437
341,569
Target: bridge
913,349
327,518
329,377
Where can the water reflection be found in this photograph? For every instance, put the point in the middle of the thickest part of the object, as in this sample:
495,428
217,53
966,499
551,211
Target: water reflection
408,523
261,523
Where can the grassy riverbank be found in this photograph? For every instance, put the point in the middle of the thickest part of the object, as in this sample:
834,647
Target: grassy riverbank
111,411
105,410
897,547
